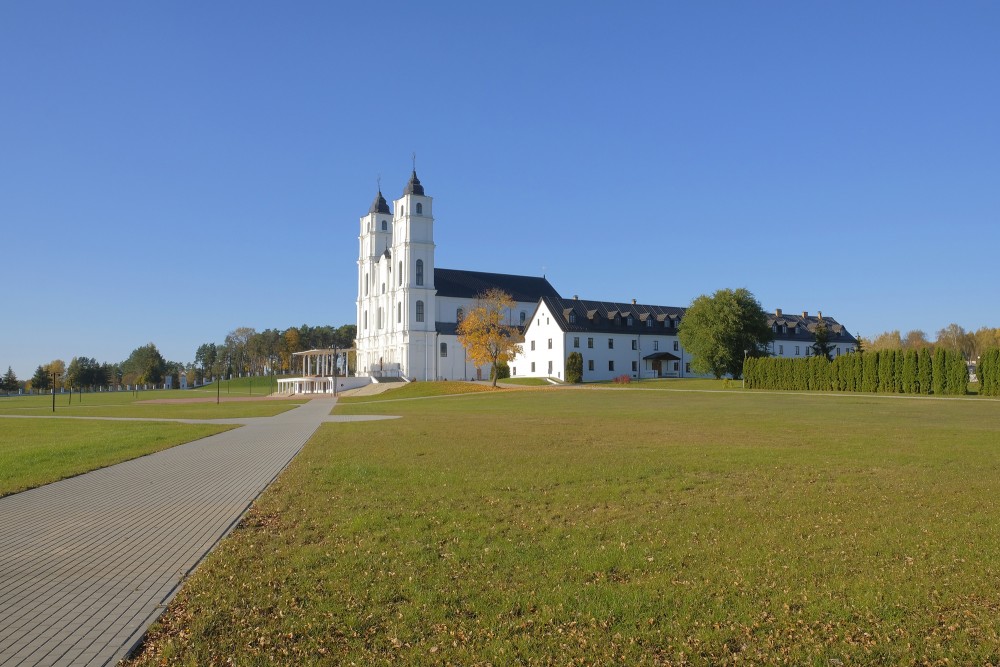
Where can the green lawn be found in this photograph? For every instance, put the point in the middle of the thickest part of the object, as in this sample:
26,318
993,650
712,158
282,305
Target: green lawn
591,527
421,390
129,404
38,451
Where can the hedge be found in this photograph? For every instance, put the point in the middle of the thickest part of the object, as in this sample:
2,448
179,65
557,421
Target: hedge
988,372
885,371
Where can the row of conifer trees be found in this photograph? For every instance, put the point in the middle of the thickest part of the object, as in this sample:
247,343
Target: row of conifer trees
988,372
940,372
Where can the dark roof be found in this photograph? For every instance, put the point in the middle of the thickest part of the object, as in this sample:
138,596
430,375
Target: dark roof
470,284
803,328
612,317
414,187
379,205
662,356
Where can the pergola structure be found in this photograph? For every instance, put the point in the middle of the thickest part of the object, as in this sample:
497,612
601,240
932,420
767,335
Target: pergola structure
319,372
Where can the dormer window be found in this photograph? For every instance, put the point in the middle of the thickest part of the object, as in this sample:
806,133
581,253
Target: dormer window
649,323
618,320
523,317
784,328
630,320
572,317
420,208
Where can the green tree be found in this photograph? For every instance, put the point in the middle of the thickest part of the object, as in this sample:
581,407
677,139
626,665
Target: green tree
41,380
925,371
10,382
574,368
720,330
146,364
822,347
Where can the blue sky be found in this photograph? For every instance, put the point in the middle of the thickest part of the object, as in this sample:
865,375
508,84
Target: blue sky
171,171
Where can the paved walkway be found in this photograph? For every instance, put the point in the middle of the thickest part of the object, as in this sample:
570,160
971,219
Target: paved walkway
87,563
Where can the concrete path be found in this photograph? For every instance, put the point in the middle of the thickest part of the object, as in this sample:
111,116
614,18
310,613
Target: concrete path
87,563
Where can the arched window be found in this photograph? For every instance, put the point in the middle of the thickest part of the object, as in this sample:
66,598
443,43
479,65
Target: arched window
444,349
459,314
400,274
380,317
366,319
399,312
420,311
383,288
402,211
385,225
420,208
420,272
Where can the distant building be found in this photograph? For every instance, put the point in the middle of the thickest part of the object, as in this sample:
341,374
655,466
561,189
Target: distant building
408,311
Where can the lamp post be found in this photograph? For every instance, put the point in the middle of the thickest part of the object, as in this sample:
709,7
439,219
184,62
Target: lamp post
54,391
336,358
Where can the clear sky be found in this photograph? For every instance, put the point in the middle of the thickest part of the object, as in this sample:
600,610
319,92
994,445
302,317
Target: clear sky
170,171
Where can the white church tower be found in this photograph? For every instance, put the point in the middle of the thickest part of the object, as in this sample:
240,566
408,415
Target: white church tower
396,294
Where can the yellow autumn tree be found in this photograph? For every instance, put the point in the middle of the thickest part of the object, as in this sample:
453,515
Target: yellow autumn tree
484,334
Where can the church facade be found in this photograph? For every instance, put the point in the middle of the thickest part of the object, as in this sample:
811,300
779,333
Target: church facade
408,312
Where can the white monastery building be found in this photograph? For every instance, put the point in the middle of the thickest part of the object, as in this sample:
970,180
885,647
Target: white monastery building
409,309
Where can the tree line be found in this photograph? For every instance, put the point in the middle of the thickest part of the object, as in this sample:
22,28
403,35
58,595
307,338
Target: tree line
954,337
941,372
244,351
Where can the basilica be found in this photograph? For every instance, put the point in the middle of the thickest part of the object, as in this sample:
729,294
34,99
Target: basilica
408,311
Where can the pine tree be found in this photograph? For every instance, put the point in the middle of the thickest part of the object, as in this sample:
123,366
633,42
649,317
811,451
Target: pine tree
940,372
10,381
910,383
925,371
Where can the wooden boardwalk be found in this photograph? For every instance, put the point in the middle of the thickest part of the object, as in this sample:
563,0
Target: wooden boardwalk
87,563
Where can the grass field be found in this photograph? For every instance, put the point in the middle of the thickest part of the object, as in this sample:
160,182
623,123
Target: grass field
134,404
38,451
594,526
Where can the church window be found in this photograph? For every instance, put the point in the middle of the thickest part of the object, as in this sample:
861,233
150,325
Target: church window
572,317
380,317
420,272
420,208
532,366
366,284
383,288
399,312
420,311
402,211
550,368
366,319
385,225
400,274
444,349
576,341
522,318
459,315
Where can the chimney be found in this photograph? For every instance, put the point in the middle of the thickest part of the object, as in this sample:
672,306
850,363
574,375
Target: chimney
805,314
576,297
777,312
633,302
819,314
